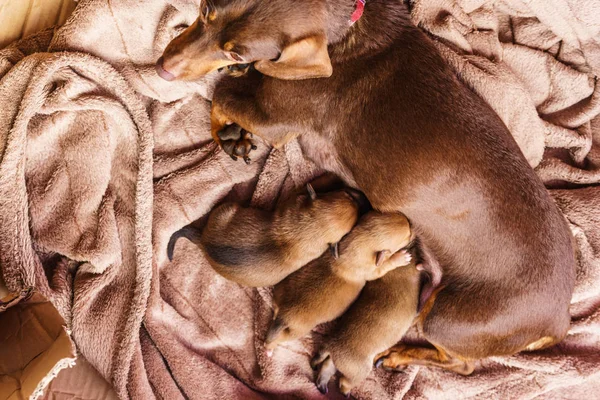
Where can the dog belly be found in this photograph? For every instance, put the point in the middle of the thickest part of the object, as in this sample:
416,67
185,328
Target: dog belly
323,153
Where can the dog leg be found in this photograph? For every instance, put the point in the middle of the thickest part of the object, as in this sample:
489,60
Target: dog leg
236,116
346,386
399,356
318,359
398,259
326,371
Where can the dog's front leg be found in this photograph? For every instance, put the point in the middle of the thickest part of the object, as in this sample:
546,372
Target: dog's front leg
236,115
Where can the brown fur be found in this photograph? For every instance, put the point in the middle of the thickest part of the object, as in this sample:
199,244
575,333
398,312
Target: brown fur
323,290
256,248
394,121
378,319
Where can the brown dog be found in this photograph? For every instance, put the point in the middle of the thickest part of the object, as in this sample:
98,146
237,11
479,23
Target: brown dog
256,248
323,290
393,120
384,311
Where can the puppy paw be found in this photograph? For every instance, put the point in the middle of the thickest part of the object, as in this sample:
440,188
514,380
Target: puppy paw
236,142
401,258
345,387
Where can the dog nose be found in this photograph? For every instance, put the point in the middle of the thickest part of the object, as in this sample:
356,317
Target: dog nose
163,73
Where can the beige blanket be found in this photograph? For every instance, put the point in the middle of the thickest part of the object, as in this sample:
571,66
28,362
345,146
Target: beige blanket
101,161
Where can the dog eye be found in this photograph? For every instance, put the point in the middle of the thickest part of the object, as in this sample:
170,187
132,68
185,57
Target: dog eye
234,56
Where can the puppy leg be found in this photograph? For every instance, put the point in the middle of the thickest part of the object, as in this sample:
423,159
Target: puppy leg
318,359
354,371
326,371
398,259
402,355
278,333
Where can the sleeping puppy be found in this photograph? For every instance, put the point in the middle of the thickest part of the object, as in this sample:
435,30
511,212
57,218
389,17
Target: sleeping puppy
256,248
384,311
323,290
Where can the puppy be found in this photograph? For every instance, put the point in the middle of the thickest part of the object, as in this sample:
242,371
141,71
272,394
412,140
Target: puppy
393,120
256,248
384,311
323,290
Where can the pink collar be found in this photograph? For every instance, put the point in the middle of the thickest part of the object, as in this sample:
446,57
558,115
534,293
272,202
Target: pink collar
358,11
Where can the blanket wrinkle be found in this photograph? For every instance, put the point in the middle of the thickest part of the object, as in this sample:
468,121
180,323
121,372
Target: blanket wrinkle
101,161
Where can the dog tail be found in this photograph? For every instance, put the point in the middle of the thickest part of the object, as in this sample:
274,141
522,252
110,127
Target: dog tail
277,326
189,232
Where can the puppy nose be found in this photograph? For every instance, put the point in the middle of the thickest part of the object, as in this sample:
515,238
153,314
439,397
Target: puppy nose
163,73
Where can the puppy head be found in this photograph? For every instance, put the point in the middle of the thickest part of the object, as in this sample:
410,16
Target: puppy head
325,216
287,40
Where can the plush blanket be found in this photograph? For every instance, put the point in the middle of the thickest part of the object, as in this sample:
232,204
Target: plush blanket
101,161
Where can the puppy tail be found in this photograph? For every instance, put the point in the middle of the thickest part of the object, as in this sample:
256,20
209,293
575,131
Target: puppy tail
277,326
189,232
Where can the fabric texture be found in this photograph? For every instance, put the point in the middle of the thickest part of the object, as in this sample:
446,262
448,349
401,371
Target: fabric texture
101,161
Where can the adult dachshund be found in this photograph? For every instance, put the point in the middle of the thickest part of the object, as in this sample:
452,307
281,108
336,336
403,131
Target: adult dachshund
393,120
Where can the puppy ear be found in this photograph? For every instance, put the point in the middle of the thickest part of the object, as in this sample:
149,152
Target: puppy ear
381,256
306,58
311,191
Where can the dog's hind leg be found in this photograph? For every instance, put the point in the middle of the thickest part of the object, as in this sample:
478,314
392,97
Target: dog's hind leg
399,356
326,371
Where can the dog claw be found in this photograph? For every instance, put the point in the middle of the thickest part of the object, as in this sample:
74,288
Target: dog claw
379,363
323,390
253,147
234,158
247,160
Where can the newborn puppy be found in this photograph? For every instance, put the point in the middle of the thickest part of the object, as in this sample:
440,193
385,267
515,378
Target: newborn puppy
380,317
256,248
324,289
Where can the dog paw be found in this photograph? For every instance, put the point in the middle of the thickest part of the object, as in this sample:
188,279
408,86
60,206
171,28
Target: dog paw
405,257
237,70
401,258
236,142
391,361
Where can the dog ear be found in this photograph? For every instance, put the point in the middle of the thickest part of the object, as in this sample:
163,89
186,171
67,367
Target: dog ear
306,58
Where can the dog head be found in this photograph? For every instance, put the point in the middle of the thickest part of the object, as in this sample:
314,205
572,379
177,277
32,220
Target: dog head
328,216
286,40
